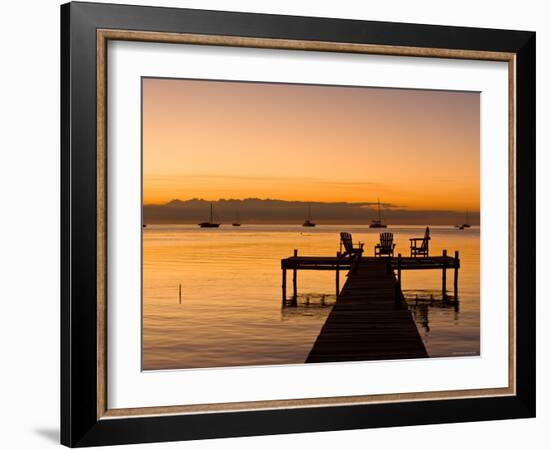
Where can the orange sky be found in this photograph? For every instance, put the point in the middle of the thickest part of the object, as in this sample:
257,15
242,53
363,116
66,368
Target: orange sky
208,139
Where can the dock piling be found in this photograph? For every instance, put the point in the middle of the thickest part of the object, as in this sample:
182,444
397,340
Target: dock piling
456,265
180,293
399,270
398,295
284,286
295,281
337,275
444,278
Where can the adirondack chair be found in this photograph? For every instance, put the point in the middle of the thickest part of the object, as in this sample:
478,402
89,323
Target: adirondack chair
350,251
386,245
420,246
347,242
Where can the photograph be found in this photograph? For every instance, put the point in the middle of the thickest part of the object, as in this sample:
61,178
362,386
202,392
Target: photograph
286,221
297,223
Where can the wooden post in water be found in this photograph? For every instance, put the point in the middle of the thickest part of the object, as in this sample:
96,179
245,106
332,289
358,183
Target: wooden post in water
456,279
284,287
295,281
399,270
337,274
444,277
397,294
180,293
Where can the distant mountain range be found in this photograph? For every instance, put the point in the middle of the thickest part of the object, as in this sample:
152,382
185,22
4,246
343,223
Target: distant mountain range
254,210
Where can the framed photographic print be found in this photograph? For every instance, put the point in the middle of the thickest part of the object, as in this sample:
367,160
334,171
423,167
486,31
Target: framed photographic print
276,224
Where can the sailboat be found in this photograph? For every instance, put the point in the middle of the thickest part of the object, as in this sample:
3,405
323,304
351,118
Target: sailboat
377,223
308,222
209,224
237,223
465,224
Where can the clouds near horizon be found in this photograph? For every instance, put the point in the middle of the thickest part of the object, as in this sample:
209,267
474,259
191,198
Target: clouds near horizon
211,139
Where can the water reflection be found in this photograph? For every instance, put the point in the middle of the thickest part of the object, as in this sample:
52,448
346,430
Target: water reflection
314,306
435,315
230,313
419,302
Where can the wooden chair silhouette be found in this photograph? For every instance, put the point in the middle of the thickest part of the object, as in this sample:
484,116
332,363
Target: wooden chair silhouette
349,248
386,245
350,251
420,246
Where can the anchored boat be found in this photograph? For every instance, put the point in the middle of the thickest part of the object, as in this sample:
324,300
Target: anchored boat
210,223
377,223
465,224
237,222
308,222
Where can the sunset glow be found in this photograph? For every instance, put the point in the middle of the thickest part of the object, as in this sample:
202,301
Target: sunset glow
413,148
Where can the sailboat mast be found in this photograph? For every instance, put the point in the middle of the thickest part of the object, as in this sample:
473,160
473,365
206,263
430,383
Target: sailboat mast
379,216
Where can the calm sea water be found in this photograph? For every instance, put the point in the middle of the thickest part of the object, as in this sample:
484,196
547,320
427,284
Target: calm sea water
231,314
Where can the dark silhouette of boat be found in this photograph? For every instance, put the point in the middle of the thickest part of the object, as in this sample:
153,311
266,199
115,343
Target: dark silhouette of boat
377,223
465,224
209,224
308,222
237,223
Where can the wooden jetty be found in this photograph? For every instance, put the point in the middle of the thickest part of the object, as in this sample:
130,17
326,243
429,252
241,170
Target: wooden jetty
398,264
370,320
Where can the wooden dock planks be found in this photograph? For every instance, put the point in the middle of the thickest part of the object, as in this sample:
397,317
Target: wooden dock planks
369,320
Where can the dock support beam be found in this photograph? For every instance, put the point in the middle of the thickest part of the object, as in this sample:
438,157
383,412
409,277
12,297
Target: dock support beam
284,287
456,264
399,270
337,281
398,295
444,277
295,281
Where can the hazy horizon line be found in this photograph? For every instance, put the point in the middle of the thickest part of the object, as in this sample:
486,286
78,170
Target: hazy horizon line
389,225
387,205
256,210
